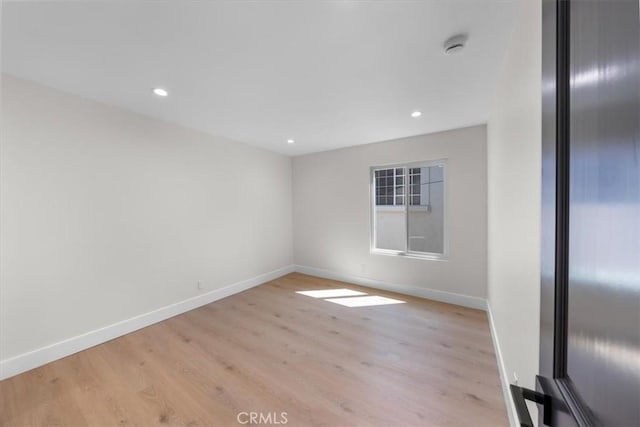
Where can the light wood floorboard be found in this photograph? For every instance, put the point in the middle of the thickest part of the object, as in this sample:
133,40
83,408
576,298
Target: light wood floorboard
271,350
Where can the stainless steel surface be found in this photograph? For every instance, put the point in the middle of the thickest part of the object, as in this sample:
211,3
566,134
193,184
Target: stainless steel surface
597,379
548,237
561,416
603,353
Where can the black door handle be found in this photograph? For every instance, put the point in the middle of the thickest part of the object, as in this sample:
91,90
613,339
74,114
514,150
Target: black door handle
520,394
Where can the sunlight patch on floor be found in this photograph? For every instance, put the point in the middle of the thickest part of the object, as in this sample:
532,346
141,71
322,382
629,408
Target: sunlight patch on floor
331,293
364,301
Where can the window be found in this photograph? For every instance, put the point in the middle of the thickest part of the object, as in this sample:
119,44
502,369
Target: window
408,212
390,187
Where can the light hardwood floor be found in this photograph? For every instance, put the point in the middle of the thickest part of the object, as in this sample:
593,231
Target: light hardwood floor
271,350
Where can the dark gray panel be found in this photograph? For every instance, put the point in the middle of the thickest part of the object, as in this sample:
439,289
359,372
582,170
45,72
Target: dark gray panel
548,213
562,415
603,353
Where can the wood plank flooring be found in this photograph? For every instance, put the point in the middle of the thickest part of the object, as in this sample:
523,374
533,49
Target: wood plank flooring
271,350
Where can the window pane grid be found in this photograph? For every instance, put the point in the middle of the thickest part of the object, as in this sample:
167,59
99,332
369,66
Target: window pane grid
389,187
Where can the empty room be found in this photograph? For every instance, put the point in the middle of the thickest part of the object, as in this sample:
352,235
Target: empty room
320,213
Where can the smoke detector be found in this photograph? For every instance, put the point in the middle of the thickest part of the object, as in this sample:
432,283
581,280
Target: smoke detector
455,44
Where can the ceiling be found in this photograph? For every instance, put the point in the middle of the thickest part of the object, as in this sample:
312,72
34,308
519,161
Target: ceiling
327,74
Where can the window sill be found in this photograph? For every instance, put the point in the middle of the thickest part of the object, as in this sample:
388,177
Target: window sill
413,255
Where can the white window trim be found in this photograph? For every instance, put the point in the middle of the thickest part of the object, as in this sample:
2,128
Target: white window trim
444,256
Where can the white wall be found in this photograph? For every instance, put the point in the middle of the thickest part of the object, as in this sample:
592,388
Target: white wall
514,171
332,212
106,215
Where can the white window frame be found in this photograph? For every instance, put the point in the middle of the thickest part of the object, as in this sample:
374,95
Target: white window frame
372,207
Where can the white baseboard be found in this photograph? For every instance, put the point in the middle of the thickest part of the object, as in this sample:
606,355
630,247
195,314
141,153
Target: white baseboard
33,359
504,377
432,294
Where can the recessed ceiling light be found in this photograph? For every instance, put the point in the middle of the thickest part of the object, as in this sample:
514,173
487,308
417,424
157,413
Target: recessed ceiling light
290,141
416,114
160,92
